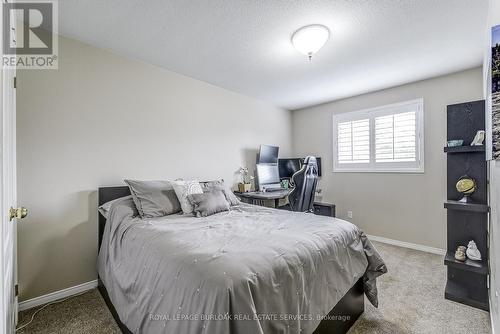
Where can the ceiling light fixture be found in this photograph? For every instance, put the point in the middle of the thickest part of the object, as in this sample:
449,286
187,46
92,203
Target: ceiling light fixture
309,39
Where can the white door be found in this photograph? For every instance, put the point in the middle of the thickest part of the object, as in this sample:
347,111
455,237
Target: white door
8,205
8,200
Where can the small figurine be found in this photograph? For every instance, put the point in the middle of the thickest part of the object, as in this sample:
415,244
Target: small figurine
472,251
478,139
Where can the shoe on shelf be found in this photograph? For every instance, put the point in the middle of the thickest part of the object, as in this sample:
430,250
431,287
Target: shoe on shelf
460,254
472,252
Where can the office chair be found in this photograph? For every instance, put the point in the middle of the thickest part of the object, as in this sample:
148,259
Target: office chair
301,198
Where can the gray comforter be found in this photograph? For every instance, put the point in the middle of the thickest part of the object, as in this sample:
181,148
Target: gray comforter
250,270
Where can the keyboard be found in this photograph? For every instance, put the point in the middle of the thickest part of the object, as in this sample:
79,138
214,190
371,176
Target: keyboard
269,190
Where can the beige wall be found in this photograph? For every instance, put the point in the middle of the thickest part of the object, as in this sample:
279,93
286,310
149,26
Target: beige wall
101,118
405,207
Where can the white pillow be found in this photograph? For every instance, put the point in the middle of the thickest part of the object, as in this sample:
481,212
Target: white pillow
183,189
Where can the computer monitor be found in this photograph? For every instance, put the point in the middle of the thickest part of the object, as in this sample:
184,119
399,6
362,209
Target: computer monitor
268,176
268,154
288,167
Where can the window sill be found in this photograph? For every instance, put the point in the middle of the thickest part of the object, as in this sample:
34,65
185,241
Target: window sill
380,171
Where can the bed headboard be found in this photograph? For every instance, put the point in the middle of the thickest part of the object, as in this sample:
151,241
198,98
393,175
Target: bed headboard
107,194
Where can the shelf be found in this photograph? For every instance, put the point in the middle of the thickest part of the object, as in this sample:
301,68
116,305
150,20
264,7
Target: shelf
469,265
462,206
457,293
464,149
467,281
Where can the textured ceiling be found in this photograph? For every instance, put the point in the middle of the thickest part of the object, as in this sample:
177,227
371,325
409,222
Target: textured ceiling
244,45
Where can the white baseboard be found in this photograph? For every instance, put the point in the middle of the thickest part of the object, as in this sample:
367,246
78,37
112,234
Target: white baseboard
404,244
53,296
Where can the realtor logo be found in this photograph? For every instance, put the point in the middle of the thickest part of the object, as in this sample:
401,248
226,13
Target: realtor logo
30,34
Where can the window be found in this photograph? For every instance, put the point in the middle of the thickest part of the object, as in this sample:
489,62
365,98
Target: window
383,139
354,141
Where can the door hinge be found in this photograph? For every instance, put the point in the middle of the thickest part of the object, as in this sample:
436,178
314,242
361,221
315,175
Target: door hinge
16,290
15,82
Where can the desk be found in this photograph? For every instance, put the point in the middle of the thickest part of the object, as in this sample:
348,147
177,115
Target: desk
256,198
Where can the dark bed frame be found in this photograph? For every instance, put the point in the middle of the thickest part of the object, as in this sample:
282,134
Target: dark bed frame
340,318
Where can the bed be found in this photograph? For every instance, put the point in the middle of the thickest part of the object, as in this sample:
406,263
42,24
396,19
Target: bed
249,270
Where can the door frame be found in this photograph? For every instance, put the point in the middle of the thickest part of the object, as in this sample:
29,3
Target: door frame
9,172
8,189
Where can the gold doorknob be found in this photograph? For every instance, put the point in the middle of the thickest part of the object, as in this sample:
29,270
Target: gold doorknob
18,213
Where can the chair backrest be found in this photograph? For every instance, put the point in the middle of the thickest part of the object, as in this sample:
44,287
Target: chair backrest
301,198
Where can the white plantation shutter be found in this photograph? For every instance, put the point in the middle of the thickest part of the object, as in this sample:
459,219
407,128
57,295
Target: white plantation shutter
383,139
395,137
354,141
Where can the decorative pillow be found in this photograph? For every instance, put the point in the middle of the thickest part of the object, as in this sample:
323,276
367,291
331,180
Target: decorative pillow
154,198
104,209
220,185
209,203
183,189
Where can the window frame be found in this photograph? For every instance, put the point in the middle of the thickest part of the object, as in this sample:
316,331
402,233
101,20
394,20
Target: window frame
382,167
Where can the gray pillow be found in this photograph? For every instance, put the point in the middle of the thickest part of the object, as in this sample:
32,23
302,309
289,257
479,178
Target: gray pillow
220,185
106,207
208,203
154,198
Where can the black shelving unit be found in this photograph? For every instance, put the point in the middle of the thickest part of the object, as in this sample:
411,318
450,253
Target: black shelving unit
464,149
472,207
469,265
467,281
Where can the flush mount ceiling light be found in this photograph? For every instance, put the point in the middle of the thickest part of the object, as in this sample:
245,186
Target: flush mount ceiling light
309,39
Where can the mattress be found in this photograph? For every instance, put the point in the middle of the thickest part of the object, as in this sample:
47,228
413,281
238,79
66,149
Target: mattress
248,270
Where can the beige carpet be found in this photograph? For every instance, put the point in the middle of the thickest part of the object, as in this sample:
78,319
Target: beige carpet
411,301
